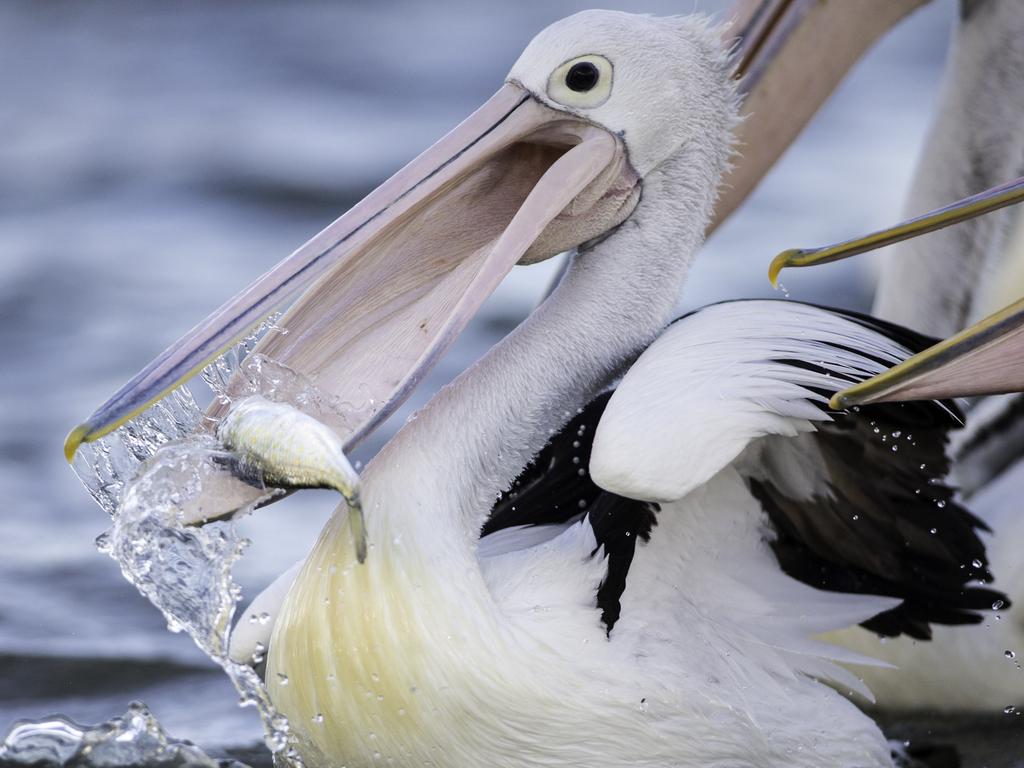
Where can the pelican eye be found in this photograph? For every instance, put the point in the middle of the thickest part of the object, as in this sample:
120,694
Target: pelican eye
582,76
584,82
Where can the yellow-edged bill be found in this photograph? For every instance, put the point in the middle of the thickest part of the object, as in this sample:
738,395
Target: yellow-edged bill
985,359
385,288
390,284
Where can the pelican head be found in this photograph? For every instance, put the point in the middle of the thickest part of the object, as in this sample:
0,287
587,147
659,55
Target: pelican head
655,96
555,159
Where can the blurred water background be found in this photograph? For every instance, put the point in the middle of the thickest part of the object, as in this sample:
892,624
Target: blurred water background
155,157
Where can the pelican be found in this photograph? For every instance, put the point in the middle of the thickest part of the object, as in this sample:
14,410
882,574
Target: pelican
984,359
615,539
939,285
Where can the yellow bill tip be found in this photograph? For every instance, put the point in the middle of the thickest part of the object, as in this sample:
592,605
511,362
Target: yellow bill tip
880,385
785,259
840,401
75,438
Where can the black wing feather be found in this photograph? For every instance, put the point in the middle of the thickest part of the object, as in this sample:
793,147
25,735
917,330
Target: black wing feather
890,524
555,487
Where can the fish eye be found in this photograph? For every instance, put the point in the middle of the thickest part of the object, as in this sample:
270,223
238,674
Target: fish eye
585,82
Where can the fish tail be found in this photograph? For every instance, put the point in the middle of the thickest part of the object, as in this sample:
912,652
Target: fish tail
357,523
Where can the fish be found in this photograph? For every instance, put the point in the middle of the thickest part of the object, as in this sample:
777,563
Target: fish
291,449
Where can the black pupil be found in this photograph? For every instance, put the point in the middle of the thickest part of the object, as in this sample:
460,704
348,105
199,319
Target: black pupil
582,76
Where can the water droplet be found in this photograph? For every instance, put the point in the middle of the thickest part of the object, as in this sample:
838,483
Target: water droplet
264,617
259,653
940,503
1009,710
997,605
977,563
282,679
318,718
1009,654
933,531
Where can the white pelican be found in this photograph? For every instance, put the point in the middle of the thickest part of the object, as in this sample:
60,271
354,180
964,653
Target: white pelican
658,560
939,285
986,358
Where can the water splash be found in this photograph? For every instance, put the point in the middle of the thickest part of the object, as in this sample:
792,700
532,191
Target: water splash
183,570
136,738
162,472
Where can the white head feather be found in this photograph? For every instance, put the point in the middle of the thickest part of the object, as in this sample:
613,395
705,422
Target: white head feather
663,87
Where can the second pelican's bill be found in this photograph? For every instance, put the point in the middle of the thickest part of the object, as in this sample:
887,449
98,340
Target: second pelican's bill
985,359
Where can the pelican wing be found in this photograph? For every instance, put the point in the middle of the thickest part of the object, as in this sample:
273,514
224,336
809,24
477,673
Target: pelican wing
857,500
554,489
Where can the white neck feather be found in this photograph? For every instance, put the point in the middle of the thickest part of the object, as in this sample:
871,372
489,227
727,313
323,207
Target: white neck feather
469,443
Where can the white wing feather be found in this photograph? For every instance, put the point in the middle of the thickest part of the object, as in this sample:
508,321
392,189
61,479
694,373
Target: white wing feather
718,379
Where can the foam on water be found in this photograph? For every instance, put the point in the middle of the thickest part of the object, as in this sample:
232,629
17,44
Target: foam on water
158,474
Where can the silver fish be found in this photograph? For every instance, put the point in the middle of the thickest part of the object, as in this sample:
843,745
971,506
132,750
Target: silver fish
293,450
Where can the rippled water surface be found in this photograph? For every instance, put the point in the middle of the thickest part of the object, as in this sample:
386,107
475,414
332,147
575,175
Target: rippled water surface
156,157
